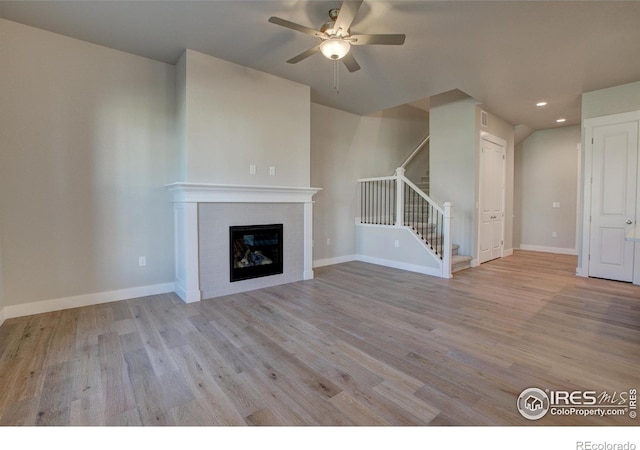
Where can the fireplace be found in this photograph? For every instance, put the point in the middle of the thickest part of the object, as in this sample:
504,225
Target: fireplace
255,251
203,214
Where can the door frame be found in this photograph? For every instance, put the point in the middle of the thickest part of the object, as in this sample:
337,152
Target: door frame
588,126
502,143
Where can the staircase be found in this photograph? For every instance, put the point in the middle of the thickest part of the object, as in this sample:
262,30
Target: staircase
458,262
423,184
394,202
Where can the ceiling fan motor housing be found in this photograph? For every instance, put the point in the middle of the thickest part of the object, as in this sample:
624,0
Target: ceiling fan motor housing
329,28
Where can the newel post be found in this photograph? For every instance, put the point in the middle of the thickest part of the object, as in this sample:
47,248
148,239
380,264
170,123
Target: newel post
399,196
447,240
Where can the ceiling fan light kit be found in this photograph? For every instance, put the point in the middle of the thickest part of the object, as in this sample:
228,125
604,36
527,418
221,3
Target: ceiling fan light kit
335,48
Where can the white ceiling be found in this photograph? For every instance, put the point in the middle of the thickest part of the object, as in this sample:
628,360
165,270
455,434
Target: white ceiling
506,54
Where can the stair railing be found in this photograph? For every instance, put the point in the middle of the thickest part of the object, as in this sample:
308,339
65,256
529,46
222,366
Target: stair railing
415,152
396,201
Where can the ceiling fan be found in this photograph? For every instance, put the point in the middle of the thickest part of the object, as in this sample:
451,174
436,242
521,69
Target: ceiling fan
336,38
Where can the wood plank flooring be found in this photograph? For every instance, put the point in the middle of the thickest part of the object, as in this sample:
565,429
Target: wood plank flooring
358,345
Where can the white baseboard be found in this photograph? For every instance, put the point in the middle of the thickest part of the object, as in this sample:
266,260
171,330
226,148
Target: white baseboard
558,250
332,261
380,262
474,263
2,317
507,252
307,275
97,298
400,265
188,296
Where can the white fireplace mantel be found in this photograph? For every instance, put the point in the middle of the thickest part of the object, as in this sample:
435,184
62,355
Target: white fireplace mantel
234,193
187,196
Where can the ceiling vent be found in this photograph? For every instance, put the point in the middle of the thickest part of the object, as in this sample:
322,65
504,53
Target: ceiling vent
484,119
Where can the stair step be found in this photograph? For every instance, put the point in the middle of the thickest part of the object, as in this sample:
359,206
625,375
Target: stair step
460,262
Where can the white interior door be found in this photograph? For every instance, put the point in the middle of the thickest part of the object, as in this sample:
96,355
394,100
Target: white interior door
613,200
491,200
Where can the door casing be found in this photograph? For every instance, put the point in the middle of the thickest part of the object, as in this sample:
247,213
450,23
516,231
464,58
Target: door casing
484,136
585,249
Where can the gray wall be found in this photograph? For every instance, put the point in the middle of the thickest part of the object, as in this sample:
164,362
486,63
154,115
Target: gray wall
613,100
504,130
181,117
236,117
86,146
418,167
345,147
1,288
546,171
379,243
452,162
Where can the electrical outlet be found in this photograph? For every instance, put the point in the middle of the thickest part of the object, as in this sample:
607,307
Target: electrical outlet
556,204
142,261
328,241
252,169
554,234
272,170
396,243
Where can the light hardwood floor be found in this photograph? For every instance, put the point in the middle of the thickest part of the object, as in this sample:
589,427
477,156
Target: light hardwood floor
358,345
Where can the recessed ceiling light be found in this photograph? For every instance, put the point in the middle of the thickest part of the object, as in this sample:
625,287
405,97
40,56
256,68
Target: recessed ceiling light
561,120
541,104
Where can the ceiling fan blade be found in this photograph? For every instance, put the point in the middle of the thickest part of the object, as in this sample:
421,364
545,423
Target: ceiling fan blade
350,62
377,39
297,27
304,55
347,13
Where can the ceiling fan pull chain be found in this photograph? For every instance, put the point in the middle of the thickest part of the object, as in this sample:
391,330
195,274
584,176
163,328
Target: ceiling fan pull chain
335,76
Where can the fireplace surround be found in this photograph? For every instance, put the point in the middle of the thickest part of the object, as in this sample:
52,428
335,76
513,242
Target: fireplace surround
203,214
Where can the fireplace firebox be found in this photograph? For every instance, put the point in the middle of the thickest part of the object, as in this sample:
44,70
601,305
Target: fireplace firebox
255,251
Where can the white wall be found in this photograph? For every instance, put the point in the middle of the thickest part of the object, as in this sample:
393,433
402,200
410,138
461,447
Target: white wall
86,146
546,171
236,117
345,147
